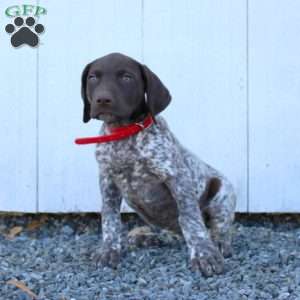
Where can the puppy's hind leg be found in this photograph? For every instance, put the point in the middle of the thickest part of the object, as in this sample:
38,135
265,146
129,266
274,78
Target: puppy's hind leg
218,207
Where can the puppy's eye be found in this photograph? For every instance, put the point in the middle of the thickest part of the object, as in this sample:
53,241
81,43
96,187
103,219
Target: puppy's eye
126,77
92,77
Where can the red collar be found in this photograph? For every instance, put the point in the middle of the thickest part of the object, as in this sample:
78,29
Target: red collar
117,133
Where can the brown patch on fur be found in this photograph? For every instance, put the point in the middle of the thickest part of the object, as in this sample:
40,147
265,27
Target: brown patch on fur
212,187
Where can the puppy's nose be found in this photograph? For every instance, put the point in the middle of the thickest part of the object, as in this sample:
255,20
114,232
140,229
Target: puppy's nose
103,101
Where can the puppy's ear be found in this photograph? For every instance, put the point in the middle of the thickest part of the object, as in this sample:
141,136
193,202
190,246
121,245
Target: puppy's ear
158,96
86,104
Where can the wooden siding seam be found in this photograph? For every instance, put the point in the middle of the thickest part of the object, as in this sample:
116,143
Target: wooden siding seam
247,108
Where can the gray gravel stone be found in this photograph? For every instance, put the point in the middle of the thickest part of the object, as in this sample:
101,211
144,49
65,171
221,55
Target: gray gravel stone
23,296
56,262
283,296
67,230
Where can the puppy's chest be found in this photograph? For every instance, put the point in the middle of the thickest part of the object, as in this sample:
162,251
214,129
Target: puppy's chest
116,153
125,164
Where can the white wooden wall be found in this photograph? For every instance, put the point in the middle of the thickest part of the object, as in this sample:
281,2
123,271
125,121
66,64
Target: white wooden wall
233,68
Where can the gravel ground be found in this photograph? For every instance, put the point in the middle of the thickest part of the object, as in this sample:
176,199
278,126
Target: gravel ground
52,256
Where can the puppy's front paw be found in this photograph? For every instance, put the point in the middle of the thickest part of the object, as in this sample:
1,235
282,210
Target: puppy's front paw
206,258
108,257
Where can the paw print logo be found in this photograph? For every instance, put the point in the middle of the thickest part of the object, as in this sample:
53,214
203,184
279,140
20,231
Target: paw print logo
24,33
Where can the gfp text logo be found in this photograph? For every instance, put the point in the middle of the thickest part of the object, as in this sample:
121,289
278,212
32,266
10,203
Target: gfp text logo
24,30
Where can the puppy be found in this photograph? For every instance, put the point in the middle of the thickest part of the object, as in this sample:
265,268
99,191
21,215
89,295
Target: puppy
166,184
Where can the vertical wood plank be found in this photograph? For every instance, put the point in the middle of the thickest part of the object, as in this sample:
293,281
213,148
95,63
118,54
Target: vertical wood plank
18,121
198,48
77,33
274,89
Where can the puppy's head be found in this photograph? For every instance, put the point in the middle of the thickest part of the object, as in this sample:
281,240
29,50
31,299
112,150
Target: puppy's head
116,88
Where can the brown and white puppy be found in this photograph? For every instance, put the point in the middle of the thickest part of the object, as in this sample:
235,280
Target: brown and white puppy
166,184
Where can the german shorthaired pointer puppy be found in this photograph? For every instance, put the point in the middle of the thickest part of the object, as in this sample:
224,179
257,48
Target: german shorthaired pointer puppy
167,185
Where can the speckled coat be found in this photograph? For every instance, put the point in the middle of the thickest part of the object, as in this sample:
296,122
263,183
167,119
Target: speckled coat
168,186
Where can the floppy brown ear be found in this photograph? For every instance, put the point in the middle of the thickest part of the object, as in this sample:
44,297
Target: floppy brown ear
86,104
158,96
